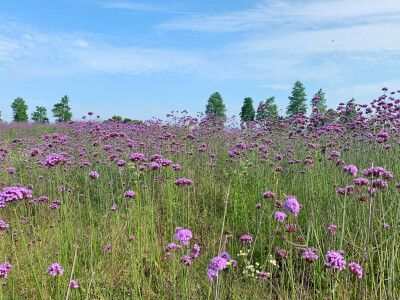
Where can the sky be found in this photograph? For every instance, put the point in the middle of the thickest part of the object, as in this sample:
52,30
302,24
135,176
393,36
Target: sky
143,59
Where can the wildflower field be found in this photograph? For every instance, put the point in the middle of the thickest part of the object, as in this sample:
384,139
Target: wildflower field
193,208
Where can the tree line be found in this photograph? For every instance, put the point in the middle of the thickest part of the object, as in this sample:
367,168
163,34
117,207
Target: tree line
61,111
268,109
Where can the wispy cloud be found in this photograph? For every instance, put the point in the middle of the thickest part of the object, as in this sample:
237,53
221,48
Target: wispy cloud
289,13
131,6
27,51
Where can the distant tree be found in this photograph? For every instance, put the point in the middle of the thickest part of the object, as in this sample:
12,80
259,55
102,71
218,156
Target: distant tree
137,122
298,100
62,111
247,112
215,106
319,102
116,118
19,110
127,120
0,117
40,115
267,110
350,111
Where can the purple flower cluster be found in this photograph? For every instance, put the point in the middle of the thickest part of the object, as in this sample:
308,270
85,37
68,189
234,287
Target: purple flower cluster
309,254
280,216
55,269
93,175
335,260
3,225
183,235
355,269
246,239
291,205
4,269
9,194
219,263
183,181
350,169
130,194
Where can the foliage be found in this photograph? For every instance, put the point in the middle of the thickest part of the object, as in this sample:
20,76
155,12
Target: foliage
40,115
62,111
267,110
19,110
215,106
298,100
247,112
319,102
116,118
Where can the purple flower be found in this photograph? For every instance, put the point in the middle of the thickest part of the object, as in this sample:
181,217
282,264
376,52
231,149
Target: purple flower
176,167
107,248
263,275
269,194
73,284
55,269
195,251
218,263
182,181
183,236
332,228
93,175
309,254
114,208
350,169
9,194
186,260
130,194
246,239
10,170
335,260
4,269
3,225
291,205
355,269
280,216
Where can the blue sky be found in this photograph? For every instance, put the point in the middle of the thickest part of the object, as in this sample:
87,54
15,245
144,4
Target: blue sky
144,59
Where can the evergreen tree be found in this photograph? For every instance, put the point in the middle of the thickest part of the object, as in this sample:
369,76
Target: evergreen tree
247,113
19,110
62,111
298,100
267,110
0,117
215,106
319,102
40,115
350,111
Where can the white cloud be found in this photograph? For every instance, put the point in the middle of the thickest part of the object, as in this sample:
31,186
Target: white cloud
82,44
289,13
131,6
57,53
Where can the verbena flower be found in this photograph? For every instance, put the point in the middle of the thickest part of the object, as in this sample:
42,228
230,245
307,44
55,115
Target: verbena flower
55,269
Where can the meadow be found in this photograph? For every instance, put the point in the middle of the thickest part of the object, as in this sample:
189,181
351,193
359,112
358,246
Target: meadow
192,208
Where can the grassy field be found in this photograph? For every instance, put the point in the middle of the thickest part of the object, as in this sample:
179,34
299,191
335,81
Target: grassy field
114,244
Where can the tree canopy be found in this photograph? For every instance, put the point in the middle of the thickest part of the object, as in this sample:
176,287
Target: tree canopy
267,110
318,103
40,115
62,111
19,108
247,113
298,99
215,106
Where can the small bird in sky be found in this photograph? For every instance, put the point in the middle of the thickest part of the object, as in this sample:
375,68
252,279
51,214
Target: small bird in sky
333,41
